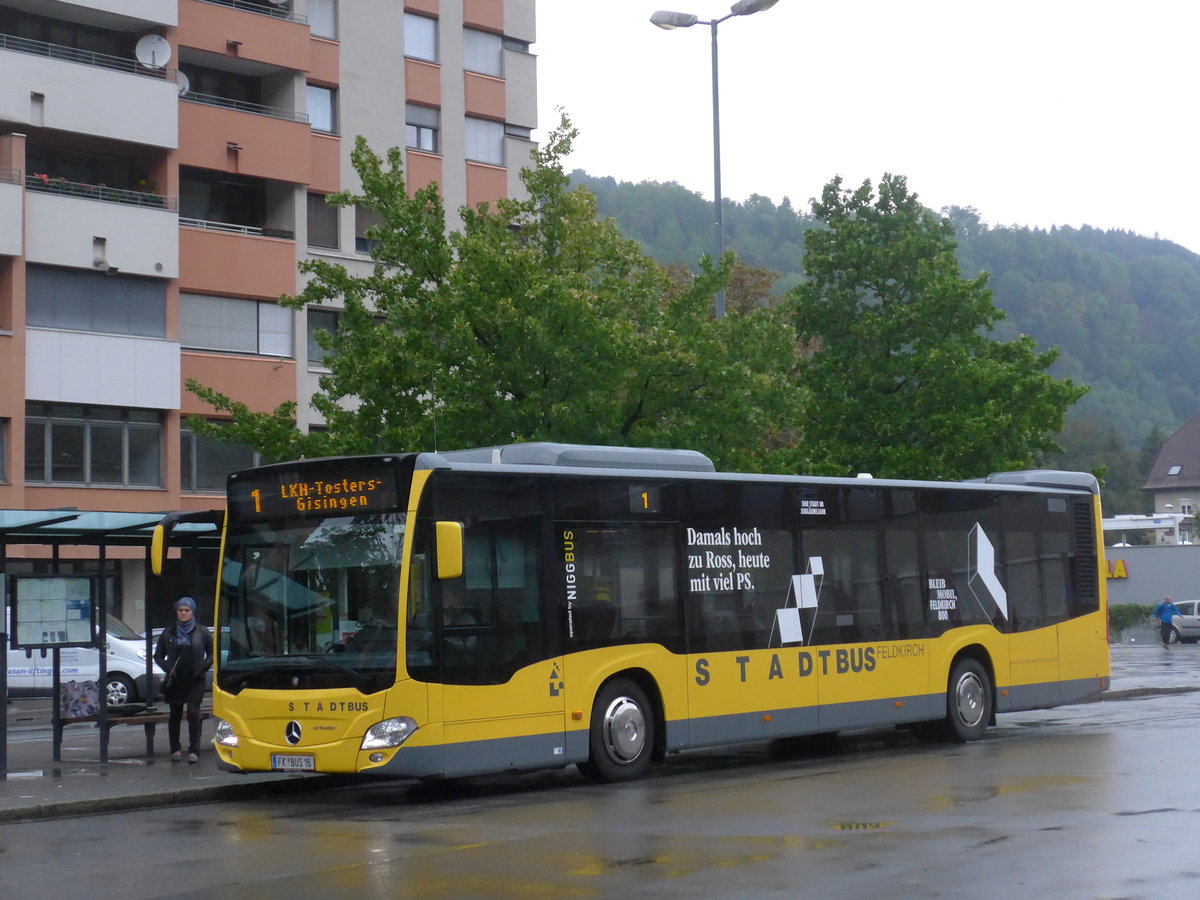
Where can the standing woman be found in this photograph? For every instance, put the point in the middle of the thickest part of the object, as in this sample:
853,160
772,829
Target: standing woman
185,653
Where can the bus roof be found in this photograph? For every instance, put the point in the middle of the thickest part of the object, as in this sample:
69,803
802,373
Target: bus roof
536,454
543,453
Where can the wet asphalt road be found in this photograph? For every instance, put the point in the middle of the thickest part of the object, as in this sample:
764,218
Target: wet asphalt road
1089,801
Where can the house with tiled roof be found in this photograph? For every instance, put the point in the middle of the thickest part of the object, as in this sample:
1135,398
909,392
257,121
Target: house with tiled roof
1174,479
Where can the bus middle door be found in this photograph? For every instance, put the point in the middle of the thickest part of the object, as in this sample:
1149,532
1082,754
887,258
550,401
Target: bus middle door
502,699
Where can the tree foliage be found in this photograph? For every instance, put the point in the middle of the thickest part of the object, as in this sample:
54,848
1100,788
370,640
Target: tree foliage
536,321
904,378
1121,307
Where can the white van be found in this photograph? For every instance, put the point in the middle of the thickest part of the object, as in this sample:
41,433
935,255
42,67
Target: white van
33,675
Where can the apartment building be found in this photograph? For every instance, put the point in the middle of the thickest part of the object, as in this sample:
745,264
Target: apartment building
163,168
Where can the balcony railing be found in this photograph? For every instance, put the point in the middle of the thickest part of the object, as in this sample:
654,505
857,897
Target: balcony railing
9,176
259,109
230,228
84,57
45,183
274,12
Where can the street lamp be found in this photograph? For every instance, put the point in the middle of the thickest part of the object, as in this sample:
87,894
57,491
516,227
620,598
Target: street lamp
668,20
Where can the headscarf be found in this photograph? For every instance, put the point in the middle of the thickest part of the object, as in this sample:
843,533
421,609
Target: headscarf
183,631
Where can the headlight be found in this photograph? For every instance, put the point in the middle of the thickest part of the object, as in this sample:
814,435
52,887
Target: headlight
388,733
225,735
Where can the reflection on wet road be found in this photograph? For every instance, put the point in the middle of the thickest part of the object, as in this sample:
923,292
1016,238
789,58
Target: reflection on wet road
1073,802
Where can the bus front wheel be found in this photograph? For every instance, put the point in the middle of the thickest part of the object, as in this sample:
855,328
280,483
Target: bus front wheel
969,702
621,737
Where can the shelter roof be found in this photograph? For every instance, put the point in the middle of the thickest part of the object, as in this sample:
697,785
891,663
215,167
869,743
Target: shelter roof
90,527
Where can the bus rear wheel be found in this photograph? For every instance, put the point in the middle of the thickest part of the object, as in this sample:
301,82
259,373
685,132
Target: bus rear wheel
621,736
968,702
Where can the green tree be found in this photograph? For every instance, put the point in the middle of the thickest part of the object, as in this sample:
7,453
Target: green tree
537,321
904,379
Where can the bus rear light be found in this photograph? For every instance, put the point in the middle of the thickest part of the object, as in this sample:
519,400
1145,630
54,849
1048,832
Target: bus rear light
388,733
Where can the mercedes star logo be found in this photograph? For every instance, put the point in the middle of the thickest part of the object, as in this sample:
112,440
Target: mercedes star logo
292,732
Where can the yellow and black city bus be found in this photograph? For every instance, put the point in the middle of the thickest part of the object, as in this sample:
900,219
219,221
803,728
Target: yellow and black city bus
541,605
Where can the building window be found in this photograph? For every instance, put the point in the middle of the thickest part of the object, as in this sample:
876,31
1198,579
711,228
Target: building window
420,37
1174,470
364,220
96,446
320,320
55,30
322,109
231,325
205,462
485,141
322,222
3,451
79,300
322,18
483,52
421,127
1186,507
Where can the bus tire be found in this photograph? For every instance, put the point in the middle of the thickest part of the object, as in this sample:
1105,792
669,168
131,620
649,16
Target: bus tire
621,736
968,701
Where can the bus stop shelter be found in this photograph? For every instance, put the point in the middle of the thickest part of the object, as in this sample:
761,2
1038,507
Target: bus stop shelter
59,528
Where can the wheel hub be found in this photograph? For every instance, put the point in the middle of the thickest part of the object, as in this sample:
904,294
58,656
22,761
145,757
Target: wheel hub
969,700
624,730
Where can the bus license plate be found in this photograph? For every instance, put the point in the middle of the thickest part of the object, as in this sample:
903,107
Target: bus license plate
293,762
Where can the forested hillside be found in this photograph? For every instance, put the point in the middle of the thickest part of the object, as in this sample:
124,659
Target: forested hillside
1124,309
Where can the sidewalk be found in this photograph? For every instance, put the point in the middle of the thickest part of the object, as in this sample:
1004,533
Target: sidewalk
38,788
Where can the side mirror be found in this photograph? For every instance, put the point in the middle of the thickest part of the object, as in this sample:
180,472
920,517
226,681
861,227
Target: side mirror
158,548
449,537
160,537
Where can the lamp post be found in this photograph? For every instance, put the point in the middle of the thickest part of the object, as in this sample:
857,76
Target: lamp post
668,20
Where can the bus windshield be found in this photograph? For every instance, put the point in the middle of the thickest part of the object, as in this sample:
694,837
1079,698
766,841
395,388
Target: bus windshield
311,603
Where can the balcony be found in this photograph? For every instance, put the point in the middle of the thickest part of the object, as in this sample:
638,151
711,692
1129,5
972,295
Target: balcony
68,228
226,30
61,88
231,138
112,369
122,12
83,57
235,260
262,8
258,109
46,184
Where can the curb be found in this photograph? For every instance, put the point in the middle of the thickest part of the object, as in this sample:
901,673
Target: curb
1132,693
158,799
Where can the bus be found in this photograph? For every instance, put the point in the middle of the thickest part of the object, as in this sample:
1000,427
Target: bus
537,605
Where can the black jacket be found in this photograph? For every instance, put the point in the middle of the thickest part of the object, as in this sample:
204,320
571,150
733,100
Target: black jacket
198,661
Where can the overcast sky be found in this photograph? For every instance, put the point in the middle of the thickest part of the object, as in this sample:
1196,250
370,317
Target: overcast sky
1035,112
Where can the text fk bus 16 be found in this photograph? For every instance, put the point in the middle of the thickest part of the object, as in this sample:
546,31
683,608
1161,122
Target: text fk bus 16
539,605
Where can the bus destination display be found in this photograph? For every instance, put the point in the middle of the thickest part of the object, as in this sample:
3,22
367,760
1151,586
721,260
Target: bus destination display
350,489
